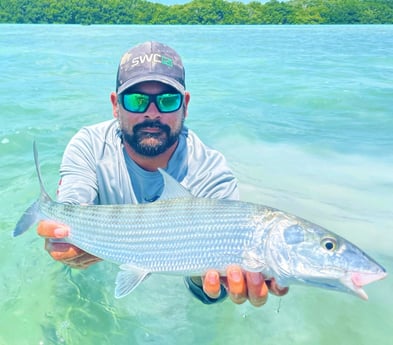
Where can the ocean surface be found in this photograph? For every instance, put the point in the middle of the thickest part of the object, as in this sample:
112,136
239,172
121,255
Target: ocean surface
304,115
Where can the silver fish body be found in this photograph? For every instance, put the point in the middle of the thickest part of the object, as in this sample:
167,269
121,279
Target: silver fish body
180,235
184,235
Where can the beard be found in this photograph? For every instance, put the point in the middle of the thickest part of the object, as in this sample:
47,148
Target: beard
151,144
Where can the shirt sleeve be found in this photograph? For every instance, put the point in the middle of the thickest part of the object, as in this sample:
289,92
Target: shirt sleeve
78,178
209,175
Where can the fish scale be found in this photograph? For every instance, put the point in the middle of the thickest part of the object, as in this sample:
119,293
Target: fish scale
180,235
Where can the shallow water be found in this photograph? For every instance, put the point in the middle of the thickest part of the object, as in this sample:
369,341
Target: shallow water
304,117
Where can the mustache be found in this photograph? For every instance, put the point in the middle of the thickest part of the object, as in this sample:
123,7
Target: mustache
151,124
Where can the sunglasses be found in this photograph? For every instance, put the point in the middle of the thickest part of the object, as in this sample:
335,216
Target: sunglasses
139,102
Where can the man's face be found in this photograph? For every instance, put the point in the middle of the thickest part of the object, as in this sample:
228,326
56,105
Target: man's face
152,132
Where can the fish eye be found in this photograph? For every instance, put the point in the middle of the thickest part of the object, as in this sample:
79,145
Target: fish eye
329,243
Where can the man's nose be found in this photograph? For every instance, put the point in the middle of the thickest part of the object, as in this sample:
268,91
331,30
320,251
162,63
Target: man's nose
152,111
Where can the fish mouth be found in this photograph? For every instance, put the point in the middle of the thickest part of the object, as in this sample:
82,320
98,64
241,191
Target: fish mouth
355,281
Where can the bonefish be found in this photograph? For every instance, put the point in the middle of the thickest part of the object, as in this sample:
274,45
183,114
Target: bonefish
184,235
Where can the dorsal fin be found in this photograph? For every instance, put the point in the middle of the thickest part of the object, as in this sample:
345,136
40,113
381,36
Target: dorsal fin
44,195
172,188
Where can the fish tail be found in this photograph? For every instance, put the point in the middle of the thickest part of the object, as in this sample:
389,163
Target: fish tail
29,218
32,214
44,195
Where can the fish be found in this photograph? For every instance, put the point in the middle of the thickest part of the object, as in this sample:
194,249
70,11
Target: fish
181,234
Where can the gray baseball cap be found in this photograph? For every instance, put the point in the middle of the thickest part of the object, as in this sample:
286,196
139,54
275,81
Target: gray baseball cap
150,61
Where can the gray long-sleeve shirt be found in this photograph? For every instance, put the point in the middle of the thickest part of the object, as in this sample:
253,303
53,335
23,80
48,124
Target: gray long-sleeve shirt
96,170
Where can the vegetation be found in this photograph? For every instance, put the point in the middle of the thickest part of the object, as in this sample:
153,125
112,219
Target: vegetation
197,12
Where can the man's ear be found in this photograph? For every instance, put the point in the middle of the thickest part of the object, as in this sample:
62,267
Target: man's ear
115,104
187,98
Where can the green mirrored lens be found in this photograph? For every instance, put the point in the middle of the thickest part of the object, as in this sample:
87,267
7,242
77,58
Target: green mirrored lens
136,102
139,102
169,102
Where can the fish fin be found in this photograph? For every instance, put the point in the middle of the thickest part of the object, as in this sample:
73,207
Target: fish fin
128,279
44,195
32,214
172,188
29,218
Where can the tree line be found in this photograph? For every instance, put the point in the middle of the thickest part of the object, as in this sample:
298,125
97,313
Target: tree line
211,12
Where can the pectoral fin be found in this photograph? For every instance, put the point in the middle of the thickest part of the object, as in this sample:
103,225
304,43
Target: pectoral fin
128,279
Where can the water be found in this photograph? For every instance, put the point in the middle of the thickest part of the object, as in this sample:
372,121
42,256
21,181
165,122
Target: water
304,116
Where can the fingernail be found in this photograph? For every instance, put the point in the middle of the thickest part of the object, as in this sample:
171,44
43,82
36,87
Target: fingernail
60,232
212,277
236,275
256,278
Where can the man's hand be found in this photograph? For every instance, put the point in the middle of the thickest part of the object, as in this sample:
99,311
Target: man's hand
61,251
241,286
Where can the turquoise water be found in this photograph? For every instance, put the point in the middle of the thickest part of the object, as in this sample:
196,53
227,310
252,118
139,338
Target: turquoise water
304,116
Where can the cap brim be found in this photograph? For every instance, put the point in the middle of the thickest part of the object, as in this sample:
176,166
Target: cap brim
152,77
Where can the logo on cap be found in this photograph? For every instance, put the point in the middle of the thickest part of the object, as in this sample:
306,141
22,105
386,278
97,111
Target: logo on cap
153,57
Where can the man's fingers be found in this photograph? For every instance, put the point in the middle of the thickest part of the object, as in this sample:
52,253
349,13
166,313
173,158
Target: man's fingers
275,289
61,251
69,254
50,229
211,284
82,261
257,289
237,287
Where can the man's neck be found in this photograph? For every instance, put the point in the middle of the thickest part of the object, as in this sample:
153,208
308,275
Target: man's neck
151,163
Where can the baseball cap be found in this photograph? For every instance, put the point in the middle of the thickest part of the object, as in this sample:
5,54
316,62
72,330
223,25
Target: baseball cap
150,61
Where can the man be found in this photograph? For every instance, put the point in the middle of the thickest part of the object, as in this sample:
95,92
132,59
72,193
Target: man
116,162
